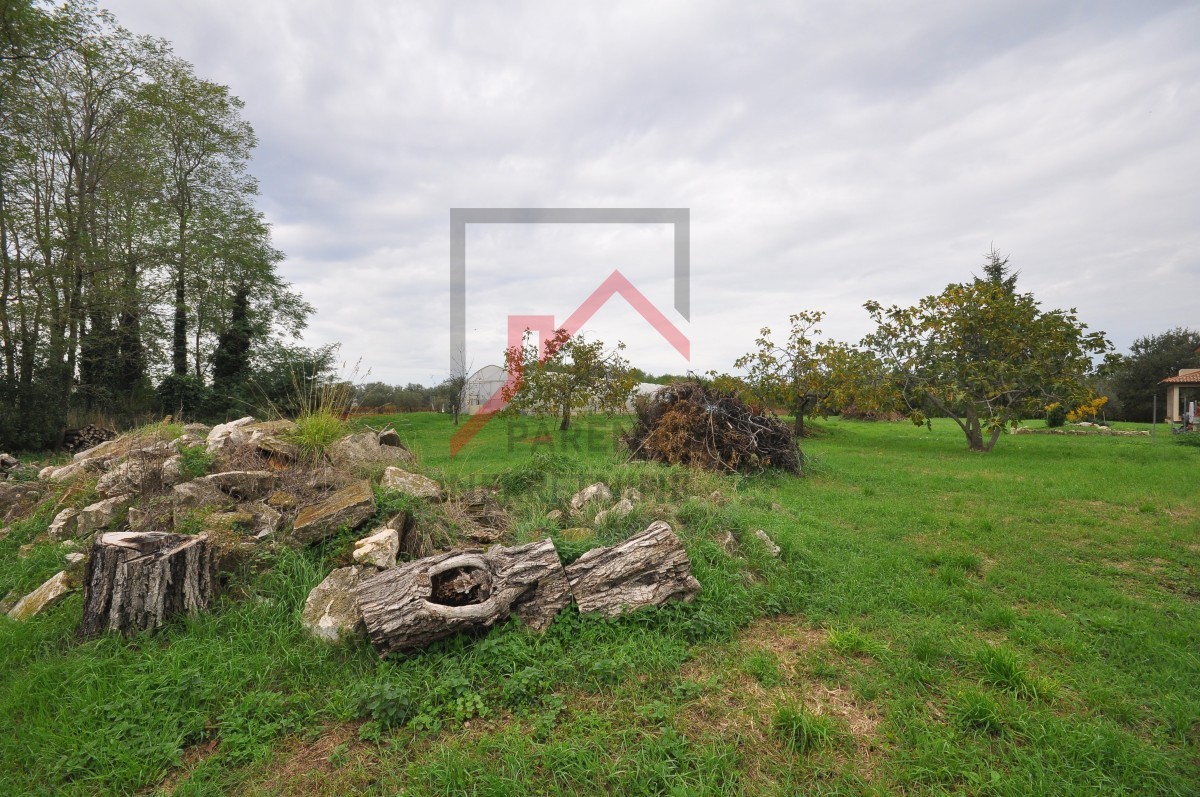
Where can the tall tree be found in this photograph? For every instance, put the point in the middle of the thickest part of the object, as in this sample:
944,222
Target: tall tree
1151,359
129,241
984,355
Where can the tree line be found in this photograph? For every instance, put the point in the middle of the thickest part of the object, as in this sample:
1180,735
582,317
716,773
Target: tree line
136,274
980,353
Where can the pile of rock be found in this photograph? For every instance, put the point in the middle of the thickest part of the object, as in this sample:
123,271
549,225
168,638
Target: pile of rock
262,491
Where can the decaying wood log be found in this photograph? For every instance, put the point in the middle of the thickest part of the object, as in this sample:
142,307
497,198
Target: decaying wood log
136,581
417,603
648,569
536,564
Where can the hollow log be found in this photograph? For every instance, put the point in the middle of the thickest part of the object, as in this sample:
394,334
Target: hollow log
648,569
418,603
136,581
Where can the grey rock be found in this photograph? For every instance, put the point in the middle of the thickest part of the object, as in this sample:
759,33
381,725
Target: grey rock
595,492
171,472
379,549
49,593
102,513
413,484
619,509
350,506
129,476
364,449
766,540
331,610
65,525
224,434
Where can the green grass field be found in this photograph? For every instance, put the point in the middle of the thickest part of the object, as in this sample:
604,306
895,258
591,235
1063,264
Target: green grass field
1021,622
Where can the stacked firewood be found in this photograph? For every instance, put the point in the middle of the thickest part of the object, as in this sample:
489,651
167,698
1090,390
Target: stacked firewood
90,436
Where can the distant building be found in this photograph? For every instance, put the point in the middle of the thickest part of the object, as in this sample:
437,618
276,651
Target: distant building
1180,388
485,382
481,386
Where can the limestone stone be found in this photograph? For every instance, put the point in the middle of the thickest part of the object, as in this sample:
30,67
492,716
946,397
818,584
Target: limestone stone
129,476
171,471
223,434
102,513
379,549
766,540
364,449
331,610
51,592
619,509
65,525
243,484
595,492
413,484
350,506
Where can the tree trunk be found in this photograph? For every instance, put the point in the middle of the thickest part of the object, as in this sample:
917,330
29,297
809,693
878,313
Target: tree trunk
992,438
648,569
566,417
972,429
137,581
416,604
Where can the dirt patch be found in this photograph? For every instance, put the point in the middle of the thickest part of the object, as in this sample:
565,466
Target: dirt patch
334,763
743,706
192,757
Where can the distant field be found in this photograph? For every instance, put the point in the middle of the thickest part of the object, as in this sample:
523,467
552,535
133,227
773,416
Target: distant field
1026,621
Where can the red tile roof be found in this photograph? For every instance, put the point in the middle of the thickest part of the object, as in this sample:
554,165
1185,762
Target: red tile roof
1183,379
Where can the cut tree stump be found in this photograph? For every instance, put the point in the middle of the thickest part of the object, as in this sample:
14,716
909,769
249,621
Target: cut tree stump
418,603
648,569
136,581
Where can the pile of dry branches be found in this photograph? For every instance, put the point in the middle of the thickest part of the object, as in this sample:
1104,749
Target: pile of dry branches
690,424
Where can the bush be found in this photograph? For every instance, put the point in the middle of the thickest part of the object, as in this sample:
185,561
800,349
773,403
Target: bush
1056,415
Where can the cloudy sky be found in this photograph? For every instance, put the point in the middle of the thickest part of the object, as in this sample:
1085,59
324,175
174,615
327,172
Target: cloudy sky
829,153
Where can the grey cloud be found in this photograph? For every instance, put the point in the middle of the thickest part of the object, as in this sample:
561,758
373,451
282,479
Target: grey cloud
830,153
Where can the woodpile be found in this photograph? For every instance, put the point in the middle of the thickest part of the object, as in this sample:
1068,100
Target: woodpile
690,424
90,436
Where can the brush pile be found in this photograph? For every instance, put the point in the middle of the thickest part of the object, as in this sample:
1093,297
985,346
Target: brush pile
689,424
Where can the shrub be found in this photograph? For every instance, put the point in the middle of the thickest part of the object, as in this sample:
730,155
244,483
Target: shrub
315,432
1056,415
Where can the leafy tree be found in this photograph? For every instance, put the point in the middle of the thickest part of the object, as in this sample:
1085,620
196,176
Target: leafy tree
566,374
984,355
1152,358
812,377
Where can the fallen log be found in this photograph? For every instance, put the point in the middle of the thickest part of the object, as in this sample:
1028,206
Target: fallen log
136,581
648,569
416,604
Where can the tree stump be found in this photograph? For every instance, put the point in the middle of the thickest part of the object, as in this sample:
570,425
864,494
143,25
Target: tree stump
136,581
648,569
416,604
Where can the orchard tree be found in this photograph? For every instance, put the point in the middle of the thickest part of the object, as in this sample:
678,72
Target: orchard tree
565,374
813,377
985,355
